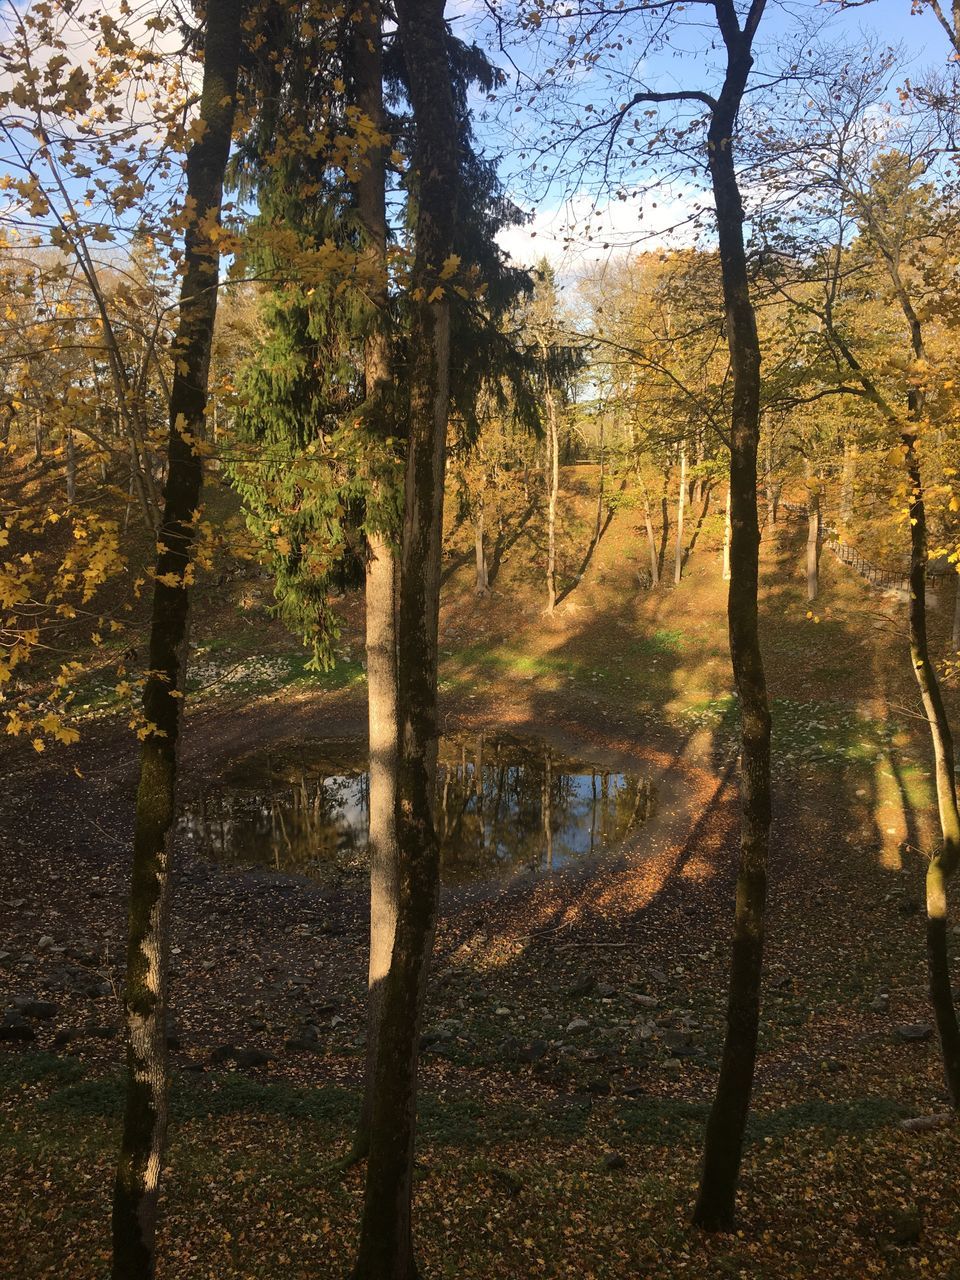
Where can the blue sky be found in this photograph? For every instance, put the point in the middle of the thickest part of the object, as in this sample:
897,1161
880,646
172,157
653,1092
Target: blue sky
564,206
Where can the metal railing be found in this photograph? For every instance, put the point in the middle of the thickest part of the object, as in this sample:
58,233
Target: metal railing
875,574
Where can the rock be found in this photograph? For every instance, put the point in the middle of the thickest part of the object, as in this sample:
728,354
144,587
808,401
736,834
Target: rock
880,1003
64,1036
100,1031
645,1002
435,1035
502,1012
908,906
222,1053
247,1059
45,942
924,1124
674,1040
16,1028
614,1160
914,1032
582,985
605,991
577,1025
598,1086
31,1008
257,1024
302,1044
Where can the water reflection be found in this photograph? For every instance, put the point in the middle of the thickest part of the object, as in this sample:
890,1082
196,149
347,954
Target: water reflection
503,807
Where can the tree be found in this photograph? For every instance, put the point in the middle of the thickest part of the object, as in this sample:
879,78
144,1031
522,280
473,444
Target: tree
386,1240
889,233
136,1191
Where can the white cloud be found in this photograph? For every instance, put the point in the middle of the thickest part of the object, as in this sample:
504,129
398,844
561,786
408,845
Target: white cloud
582,231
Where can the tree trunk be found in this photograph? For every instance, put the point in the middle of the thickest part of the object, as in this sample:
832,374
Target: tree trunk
813,534
483,577
71,469
553,483
137,1184
723,1144
726,540
848,481
381,594
651,540
943,863
678,553
385,1250
598,529
382,567
955,635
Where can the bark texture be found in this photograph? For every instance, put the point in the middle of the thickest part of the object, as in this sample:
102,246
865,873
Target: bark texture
386,1250
728,1115
137,1183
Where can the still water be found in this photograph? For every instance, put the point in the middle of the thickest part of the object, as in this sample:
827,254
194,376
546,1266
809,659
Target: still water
504,806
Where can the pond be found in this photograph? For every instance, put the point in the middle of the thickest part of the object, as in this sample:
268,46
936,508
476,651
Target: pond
504,807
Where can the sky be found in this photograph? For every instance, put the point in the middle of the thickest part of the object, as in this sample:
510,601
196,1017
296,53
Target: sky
577,230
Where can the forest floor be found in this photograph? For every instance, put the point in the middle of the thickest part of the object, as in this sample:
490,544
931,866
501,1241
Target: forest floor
575,1021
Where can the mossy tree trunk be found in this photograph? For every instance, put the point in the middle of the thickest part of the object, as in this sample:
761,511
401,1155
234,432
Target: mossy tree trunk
385,1250
728,1115
137,1184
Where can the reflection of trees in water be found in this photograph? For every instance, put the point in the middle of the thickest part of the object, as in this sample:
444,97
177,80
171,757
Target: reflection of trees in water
305,821
514,807
501,807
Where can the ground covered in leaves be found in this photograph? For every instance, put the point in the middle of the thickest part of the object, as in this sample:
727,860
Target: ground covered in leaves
575,1021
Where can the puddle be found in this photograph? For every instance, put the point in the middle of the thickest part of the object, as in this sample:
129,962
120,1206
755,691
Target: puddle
504,807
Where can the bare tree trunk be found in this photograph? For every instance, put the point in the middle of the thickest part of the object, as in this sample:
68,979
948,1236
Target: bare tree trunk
813,533
664,533
678,554
651,540
955,635
768,482
385,1250
382,566
723,1144
726,540
600,494
71,469
483,577
553,483
848,481
381,588
944,862
137,1186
